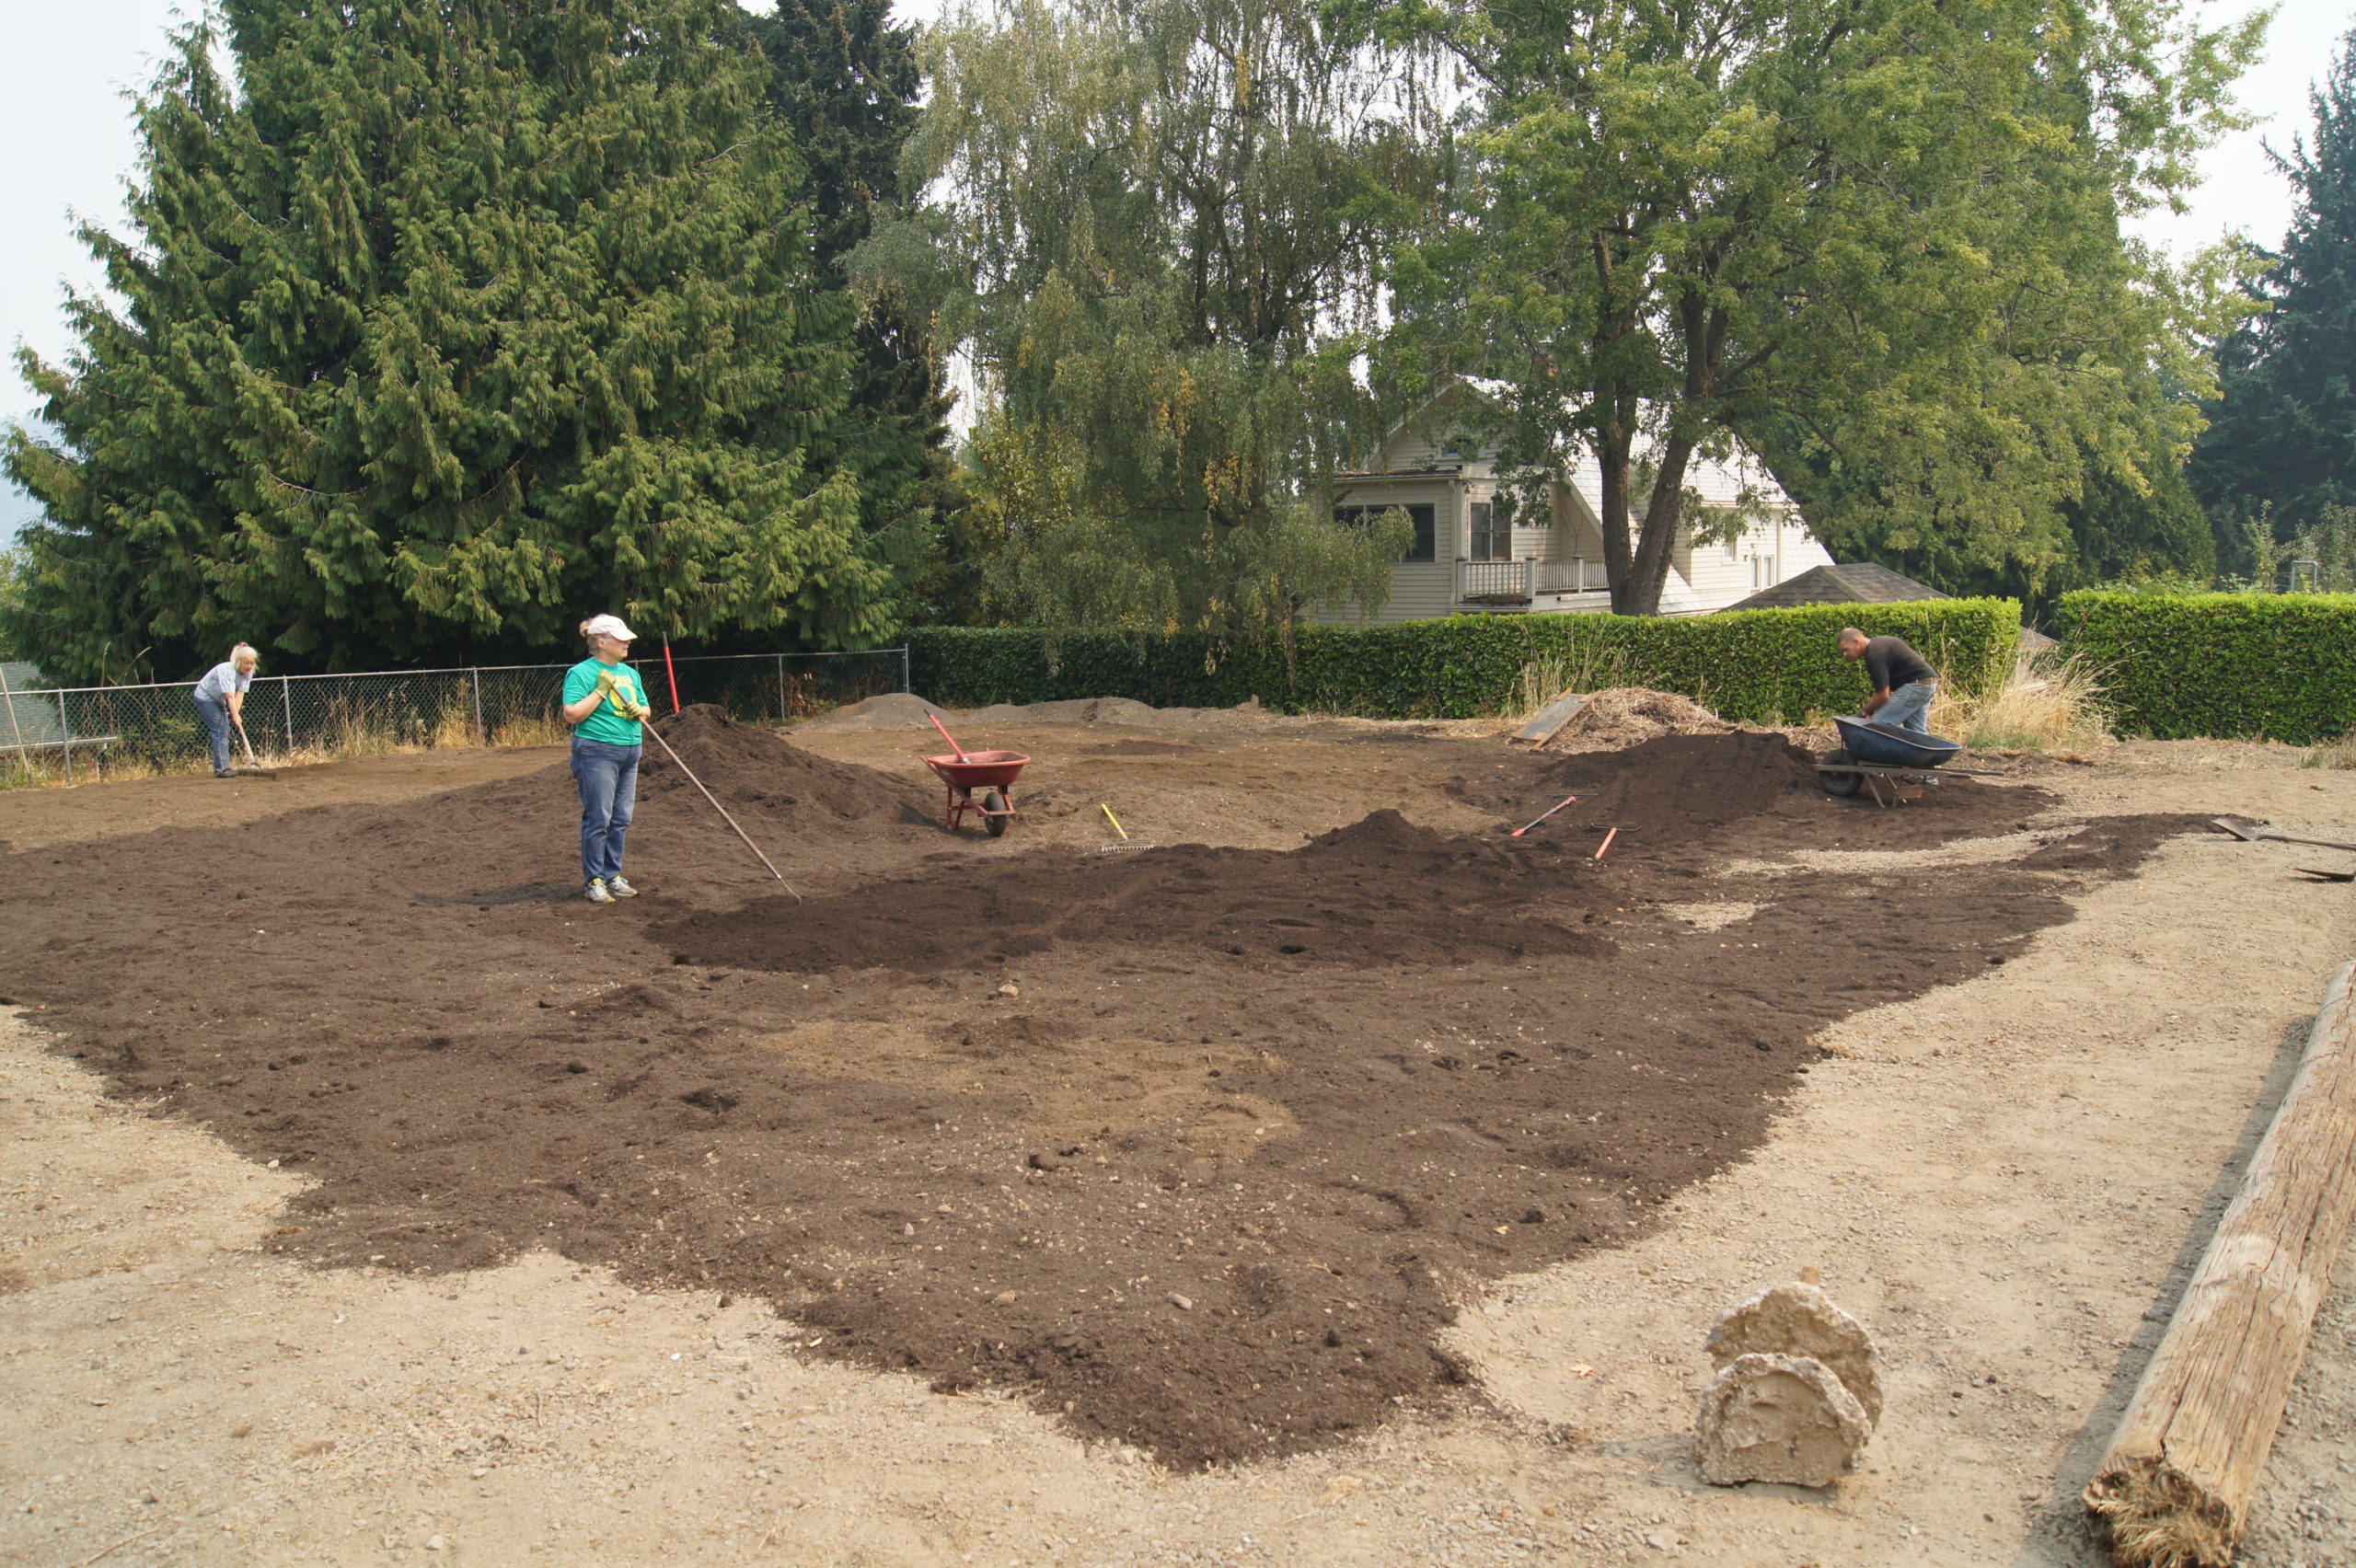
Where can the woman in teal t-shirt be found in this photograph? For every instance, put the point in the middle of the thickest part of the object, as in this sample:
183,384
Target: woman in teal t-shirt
605,703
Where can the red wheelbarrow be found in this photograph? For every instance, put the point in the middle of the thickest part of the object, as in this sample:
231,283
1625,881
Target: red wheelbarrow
991,772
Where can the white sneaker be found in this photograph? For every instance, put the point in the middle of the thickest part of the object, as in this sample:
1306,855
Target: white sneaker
620,887
598,893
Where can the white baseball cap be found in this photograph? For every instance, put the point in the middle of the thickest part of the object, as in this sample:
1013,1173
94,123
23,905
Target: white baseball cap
608,626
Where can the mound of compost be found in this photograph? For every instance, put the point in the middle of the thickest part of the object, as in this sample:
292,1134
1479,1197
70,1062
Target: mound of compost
518,839
1196,1147
1678,797
1620,717
762,771
1363,897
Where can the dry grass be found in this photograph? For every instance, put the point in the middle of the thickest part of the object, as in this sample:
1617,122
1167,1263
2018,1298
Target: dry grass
2341,753
1543,680
545,731
2053,701
352,732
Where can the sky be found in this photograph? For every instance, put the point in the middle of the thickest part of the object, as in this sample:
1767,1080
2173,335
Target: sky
64,115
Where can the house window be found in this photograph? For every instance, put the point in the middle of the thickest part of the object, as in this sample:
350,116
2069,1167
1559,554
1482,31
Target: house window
1492,535
1424,517
1734,548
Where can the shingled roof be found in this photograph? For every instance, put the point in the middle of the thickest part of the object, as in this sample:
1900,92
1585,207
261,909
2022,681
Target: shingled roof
1855,582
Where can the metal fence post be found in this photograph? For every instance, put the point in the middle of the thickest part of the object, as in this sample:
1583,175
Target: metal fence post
904,667
65,730
781,688
286,696
482,733
23,757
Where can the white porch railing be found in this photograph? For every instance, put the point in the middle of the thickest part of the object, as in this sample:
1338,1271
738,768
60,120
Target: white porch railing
1576,575
1520,581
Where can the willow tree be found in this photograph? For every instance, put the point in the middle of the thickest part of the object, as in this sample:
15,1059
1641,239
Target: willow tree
1156,232
1877,240
439,323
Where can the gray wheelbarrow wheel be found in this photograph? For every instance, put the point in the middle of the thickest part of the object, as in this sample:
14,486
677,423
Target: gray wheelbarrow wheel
1843,784
994,817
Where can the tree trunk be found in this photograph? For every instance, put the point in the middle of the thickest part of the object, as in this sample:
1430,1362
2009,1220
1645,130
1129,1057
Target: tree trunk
1616,440
1648,573
1702,332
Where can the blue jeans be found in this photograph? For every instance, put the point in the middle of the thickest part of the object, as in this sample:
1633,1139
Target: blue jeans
1908,707
216,727
609,778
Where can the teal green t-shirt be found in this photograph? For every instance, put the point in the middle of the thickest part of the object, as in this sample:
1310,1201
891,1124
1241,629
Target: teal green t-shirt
605,724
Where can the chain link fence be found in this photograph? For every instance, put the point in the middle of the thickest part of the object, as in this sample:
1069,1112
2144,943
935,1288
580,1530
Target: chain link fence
71,734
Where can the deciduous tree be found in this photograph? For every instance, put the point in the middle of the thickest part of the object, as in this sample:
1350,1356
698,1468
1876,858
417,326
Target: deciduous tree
1877,240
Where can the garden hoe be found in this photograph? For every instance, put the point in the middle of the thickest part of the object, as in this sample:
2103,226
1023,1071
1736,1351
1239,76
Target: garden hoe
253,769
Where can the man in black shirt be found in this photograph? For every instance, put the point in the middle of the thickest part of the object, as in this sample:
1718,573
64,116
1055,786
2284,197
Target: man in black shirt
1905,682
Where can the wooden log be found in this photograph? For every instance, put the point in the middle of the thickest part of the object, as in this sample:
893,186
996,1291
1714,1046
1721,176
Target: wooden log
2175,1487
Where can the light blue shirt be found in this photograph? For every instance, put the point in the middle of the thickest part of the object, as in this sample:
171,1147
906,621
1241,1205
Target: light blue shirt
221,680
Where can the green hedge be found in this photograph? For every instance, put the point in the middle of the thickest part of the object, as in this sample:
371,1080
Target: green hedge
2280,665
1758,665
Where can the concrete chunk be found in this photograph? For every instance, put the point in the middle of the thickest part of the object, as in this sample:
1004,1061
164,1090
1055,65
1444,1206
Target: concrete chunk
1801,1320
1784,1418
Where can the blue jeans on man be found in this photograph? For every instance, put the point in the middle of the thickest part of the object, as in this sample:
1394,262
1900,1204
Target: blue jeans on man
216,726
1909,708
607,776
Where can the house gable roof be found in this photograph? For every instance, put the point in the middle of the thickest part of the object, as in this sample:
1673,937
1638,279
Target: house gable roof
1855,582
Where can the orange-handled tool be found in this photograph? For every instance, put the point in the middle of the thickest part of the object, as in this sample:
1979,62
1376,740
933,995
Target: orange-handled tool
1525,827
945,734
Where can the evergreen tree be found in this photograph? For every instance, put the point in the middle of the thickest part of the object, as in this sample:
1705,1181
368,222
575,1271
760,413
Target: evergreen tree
452,320
846,81
2283,427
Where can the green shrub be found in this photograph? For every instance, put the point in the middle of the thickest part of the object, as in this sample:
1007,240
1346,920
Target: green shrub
2278,665
1758,665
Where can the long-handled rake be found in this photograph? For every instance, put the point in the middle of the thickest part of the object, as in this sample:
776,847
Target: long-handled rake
722,810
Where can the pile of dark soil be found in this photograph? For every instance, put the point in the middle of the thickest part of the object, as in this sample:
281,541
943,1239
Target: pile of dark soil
1682,796
1380,894
761,771
1200,1147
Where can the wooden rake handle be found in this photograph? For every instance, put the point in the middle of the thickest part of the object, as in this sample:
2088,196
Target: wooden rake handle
721,808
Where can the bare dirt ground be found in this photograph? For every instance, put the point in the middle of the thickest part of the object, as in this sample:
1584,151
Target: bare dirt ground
2006,1177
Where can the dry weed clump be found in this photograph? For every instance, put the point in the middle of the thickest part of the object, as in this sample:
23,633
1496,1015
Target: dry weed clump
2053,701
2340,753
1620,717
1558,674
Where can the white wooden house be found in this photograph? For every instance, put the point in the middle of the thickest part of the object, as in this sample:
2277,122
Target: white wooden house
1466,558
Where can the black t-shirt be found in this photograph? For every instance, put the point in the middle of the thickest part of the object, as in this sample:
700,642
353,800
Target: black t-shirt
1892,664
